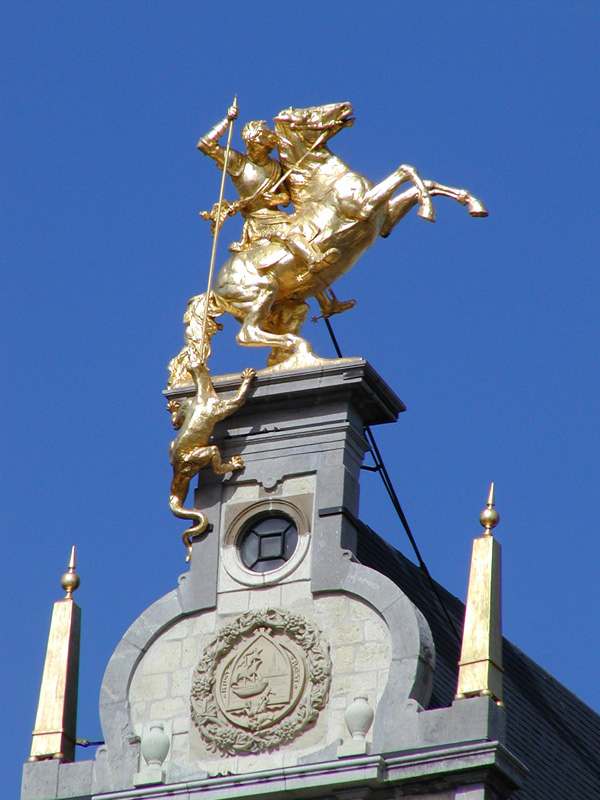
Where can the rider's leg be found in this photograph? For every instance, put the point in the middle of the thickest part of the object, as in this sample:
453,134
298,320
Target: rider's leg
299,246
308,252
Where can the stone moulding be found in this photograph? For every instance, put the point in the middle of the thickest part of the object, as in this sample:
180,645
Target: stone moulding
262,726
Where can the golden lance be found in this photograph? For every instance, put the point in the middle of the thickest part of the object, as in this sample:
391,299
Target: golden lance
213,254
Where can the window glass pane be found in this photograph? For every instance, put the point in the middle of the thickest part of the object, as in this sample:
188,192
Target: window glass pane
271,525
291,540
267,566
268,542
249,549
271,546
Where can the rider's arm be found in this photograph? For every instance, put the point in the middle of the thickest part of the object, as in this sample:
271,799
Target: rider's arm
277,199
209,144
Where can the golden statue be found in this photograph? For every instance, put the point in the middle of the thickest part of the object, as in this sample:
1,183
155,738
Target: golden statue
195,417
284,259
281,260
258,180
196,347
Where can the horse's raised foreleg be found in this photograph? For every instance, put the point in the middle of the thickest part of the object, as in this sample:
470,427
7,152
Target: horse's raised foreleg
382,192
474,206
399,206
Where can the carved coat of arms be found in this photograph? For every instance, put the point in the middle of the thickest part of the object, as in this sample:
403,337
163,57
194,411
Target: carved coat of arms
261,681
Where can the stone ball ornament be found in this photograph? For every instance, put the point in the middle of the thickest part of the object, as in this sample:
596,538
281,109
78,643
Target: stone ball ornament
70,581
489,518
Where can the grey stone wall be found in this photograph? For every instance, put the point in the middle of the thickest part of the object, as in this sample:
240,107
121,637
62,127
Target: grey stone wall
301,437
160,688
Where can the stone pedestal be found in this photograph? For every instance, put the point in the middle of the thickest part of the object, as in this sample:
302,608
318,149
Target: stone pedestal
302,425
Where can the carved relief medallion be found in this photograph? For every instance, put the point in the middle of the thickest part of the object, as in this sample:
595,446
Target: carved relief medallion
261,681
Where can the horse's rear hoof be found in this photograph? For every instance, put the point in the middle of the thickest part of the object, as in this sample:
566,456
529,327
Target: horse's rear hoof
476,208
303,348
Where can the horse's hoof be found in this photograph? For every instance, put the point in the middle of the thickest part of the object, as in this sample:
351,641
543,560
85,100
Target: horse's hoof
303,347
476,208
427,211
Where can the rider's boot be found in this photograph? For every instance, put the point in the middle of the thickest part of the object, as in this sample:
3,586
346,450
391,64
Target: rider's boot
331,305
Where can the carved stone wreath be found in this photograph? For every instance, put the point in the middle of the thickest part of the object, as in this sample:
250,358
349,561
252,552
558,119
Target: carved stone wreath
261,681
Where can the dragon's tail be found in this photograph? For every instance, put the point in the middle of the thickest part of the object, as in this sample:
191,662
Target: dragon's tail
200,519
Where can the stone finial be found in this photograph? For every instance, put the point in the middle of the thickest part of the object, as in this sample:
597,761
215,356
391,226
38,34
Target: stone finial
359,718
155,747
54,734
480,665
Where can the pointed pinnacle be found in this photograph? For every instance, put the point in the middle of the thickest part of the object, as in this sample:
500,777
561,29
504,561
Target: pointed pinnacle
489,517
70,580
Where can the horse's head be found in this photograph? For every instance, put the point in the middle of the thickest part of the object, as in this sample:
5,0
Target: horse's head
316,122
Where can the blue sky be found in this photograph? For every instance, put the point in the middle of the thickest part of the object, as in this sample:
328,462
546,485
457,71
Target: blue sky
487,329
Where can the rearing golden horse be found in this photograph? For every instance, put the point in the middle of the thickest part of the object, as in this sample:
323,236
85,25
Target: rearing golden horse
337,209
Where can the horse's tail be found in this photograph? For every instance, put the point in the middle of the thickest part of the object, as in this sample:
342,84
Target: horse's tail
175,504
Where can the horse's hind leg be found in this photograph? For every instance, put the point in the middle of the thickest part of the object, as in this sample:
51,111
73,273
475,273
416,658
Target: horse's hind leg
288,317
254,331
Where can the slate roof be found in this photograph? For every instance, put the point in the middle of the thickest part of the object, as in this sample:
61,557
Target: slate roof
548,728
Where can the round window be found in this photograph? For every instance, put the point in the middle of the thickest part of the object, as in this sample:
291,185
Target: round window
268,541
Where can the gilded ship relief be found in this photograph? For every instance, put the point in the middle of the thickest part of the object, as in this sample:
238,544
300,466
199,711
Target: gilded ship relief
261,682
